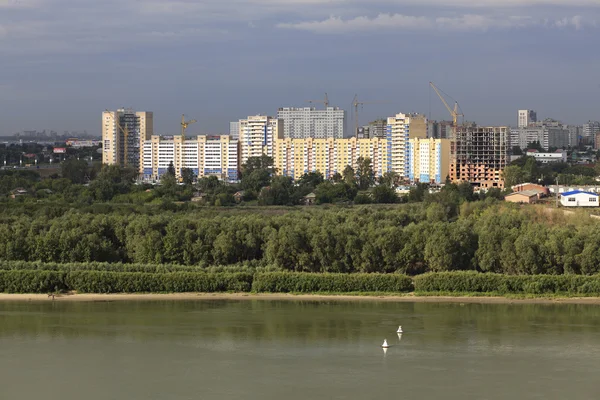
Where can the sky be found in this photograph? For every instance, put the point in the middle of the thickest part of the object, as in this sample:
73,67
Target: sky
62,62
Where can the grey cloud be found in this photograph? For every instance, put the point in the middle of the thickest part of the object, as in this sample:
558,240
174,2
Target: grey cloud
467,22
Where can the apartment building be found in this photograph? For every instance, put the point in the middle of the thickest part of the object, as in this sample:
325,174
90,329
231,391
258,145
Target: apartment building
400,129
123,133
429,160
204,155
257,136
308,122
479,155
296,157
525,118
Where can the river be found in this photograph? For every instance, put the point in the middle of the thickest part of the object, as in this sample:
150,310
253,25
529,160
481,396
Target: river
264,349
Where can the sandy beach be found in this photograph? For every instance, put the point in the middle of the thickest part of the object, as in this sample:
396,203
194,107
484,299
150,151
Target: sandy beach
304,297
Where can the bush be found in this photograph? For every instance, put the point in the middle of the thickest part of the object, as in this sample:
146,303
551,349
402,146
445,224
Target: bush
476,282
290,282
31,281
247,267
173,282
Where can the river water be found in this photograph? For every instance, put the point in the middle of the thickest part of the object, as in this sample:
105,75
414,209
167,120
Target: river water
263,349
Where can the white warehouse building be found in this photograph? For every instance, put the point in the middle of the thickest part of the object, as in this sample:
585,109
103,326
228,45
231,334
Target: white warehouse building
578,198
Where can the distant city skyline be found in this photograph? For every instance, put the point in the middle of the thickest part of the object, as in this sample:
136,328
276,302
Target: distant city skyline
219,61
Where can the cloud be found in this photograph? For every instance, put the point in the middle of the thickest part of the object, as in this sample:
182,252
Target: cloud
467,22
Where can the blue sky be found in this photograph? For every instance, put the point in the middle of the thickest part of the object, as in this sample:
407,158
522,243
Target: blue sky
64,61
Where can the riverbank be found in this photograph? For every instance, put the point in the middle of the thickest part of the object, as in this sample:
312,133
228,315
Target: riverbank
409,298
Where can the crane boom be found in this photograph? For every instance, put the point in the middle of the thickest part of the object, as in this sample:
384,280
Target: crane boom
453,112
356,103
185,124
325,102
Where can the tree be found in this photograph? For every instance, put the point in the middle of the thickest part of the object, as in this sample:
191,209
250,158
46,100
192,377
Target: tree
516,151
513,175
75,170
312,179
364,173
263,162
349,176
171,170
535,146
208,184
278,193
337,177
530,169
384,194
187,176
389,179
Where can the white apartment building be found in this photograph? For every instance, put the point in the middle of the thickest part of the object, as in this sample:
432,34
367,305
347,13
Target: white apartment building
308,122
429,160
204,155
548,136
234,129
401,128
257,136
589,132
526,117
123,134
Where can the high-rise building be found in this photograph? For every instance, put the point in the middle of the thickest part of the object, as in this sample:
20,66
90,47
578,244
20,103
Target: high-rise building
590,129
257,136
526,117
296,157
548,133
234,129
479,155
401,128
429,160
439,129
123,134
204,155
308,122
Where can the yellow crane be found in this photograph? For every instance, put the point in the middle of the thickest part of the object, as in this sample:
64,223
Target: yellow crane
356,103
453,112
125,132
185,124
325,102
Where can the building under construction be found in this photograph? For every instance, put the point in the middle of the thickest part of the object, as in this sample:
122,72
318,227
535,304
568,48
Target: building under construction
479,155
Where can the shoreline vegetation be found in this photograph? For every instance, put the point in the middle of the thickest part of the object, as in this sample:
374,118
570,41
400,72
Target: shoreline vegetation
462,298
68,280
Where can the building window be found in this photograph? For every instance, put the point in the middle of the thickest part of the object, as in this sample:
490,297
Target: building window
571,199
593,199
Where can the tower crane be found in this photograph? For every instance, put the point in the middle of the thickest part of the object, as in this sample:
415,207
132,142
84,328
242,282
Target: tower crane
125,132
453,112
185,124
325,102
356,103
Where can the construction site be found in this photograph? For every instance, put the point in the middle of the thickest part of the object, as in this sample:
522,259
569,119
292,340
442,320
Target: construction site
478,154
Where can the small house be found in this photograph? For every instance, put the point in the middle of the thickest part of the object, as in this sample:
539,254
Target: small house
239,196
523,197
310,199
578,198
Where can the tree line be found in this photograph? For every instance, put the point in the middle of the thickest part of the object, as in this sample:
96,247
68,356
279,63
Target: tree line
435,235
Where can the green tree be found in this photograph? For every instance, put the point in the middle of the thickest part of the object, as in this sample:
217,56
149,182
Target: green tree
312,179
349,176
364,173
278,193
187,176
513,175
171,170
384,194
75,170
337,177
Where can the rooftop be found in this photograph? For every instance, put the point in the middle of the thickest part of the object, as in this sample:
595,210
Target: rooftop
578,192
528,193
